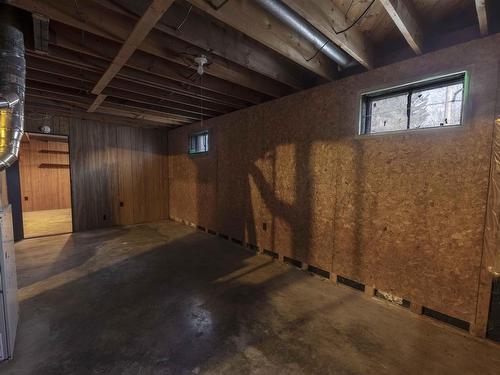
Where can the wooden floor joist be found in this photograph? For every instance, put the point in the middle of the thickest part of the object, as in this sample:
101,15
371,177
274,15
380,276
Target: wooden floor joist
141,29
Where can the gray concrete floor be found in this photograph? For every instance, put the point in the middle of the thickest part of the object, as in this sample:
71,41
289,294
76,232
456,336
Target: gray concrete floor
165,299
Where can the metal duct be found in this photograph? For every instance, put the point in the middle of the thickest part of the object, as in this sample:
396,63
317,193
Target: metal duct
12,86
301,26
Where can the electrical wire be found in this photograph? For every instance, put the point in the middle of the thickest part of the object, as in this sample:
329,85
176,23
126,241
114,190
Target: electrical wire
355,22
318,51
341,31
178,27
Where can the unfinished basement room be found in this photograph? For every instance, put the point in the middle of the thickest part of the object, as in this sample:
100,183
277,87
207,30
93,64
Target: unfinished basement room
262,187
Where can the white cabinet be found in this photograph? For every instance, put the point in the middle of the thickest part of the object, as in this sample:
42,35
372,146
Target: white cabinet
9,306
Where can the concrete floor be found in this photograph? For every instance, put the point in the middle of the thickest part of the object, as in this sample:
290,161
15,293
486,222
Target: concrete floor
164,299
47,222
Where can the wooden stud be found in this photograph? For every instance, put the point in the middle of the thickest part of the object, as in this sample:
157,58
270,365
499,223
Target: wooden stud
370,291
416,308
333,277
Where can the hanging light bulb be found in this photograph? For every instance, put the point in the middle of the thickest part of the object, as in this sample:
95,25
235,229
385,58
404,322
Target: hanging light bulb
200,60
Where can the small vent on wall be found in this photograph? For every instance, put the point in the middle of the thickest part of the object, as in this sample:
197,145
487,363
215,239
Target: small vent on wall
351,283
446,318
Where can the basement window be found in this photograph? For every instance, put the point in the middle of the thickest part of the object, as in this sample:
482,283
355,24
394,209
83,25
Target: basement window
427,104
198,143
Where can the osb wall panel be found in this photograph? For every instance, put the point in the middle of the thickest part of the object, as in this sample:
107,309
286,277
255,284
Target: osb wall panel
194,193
119,174
44,173
400,212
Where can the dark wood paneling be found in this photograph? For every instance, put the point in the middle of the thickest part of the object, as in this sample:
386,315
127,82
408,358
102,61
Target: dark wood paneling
44,170
400,212
117,174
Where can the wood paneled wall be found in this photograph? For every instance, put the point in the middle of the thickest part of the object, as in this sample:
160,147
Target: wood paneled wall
44,173
119,174
400,212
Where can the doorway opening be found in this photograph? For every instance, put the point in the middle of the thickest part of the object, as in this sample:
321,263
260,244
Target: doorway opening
45,185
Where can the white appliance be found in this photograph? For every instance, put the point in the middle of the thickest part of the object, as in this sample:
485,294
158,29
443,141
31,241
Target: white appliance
9,305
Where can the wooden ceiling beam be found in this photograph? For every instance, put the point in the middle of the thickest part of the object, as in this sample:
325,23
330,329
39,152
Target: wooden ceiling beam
75,63
83,77
63,109
90,44
225,42
99,20
324,15
192,113
248,18
119,88
482,15
97,102
73,103
141,29
403,15
130,101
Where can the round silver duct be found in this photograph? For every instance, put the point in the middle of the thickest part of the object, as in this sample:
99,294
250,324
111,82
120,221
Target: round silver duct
286,15
12,87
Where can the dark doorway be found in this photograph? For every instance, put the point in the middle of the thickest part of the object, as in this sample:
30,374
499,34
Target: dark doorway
494,317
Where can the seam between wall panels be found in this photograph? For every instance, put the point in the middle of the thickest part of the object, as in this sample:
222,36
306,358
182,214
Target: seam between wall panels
485,277
336,178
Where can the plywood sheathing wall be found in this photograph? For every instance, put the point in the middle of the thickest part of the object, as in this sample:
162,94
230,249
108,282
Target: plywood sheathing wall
401,212
110,165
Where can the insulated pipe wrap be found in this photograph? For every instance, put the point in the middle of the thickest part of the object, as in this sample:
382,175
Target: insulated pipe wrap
12,87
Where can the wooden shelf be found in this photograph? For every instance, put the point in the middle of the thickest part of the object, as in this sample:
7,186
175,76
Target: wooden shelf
54,166
56,152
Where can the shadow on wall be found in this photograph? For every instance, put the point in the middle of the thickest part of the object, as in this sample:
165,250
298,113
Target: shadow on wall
382,210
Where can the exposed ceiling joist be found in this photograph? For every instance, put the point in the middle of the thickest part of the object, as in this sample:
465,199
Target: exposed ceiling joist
63,109
126,87
96,103
96,19
482,15
47,104
248,18
227,43
322,14
403,15
92,45
141,29
82,70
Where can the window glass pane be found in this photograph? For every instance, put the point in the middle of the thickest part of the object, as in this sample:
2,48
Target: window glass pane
198,143
439,106
388,114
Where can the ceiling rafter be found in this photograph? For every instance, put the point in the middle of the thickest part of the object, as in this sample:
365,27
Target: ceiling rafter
96,19
227,43
141,29
84,70
248,18
49,107
403,15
